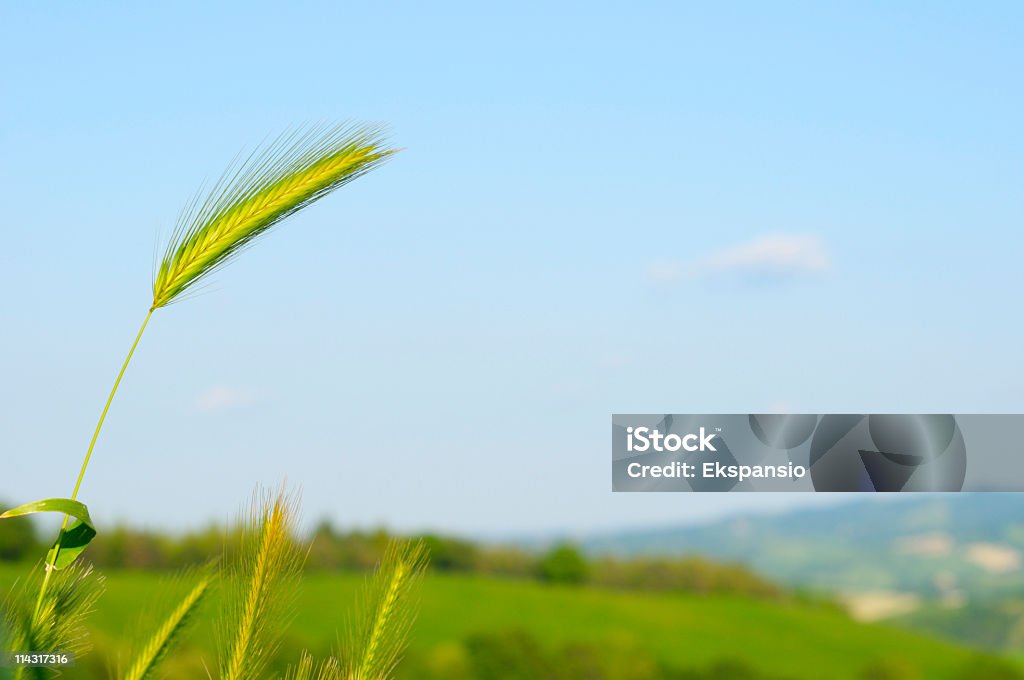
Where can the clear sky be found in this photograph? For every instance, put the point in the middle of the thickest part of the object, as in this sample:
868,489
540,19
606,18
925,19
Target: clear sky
725,207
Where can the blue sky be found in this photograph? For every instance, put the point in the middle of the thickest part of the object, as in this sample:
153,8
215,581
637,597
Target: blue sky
633,208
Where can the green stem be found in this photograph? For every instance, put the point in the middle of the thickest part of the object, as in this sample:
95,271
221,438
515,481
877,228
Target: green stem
85,465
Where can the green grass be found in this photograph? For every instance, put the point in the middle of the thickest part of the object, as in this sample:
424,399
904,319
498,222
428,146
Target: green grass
788,638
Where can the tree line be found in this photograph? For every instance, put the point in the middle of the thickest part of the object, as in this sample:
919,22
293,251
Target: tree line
123,547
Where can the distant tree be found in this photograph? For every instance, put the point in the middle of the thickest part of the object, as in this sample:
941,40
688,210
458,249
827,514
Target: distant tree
683,574
564,564
451,554
507,561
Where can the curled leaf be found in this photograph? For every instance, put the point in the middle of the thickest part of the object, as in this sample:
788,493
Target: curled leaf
74,539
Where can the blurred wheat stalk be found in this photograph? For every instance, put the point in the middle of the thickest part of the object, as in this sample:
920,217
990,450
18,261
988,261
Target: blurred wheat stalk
258,587
249,200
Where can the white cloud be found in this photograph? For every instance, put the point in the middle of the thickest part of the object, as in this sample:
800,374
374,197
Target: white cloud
221,398
773,255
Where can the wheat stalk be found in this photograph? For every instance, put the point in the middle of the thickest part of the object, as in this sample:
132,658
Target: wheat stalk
270,185
376,642
261,588
288,175
157,647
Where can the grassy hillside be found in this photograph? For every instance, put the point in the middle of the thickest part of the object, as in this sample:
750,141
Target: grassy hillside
973,542
996,625
788,639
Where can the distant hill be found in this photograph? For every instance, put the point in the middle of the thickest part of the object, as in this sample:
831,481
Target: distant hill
941,547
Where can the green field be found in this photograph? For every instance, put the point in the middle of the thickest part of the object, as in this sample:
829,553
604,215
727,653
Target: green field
791,639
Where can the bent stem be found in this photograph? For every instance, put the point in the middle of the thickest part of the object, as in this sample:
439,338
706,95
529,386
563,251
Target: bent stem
85,465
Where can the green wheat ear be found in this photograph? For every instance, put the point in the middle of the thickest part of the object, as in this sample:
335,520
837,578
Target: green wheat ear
387,608
150,654
261,585
272,184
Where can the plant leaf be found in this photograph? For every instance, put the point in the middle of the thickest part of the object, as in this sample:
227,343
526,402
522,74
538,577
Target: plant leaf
74,539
